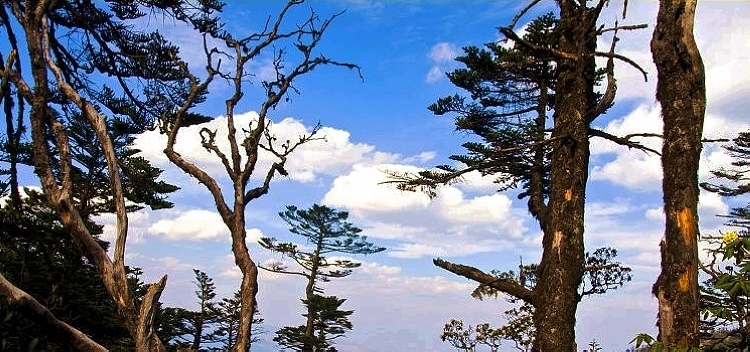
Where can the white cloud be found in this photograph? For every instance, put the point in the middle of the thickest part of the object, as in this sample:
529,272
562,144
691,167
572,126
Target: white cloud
192,225
442,55
434,75
195,225
361,191
451,224
420,158
655,214
443,52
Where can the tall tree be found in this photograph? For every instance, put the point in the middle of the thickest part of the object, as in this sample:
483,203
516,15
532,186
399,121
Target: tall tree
552,66
246,143
66,46
329,232
681,90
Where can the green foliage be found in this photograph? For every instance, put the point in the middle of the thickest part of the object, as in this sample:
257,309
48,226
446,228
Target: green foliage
725,294
37,255
329,232
200,323
229,320
646,342
509,91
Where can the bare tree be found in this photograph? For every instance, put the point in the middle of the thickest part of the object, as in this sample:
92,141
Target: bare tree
681,90
247,143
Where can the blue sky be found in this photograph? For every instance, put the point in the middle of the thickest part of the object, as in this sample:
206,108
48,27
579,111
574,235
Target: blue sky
401,300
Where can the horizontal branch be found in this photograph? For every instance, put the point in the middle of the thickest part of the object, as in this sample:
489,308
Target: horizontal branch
507,286
626,140
550,51
629,27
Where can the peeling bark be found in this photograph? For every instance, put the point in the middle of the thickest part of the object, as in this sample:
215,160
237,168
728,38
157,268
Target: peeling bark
681,91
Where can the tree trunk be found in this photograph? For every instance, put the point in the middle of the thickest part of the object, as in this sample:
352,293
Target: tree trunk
681,91
249,285
562,263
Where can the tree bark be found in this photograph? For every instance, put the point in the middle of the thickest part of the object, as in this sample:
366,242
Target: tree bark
562,265
681,91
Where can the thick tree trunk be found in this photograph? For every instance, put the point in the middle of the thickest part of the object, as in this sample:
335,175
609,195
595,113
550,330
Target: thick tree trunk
562,264
681,91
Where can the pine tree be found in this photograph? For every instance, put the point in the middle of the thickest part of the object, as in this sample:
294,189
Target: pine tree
329,232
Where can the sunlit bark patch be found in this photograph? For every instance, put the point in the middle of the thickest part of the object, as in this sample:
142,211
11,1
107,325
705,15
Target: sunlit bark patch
569,194
686,224
684,281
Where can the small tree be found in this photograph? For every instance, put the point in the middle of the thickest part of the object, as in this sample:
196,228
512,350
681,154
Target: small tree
329,232
229,319
200,322
328,322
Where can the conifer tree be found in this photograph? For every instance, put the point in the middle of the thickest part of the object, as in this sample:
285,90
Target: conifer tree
329,232
512,89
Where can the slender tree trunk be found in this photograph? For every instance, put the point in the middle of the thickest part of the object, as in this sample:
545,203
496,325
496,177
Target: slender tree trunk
310,291
562,263
249,285
681,91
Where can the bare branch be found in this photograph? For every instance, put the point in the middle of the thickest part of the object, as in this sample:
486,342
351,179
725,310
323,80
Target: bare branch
608,98
626,141
507,286
281,271
548,51
624,59
627,28
715,140
520,14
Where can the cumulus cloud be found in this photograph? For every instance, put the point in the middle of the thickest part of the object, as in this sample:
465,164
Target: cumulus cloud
443,52
196,225
332,154
451,224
